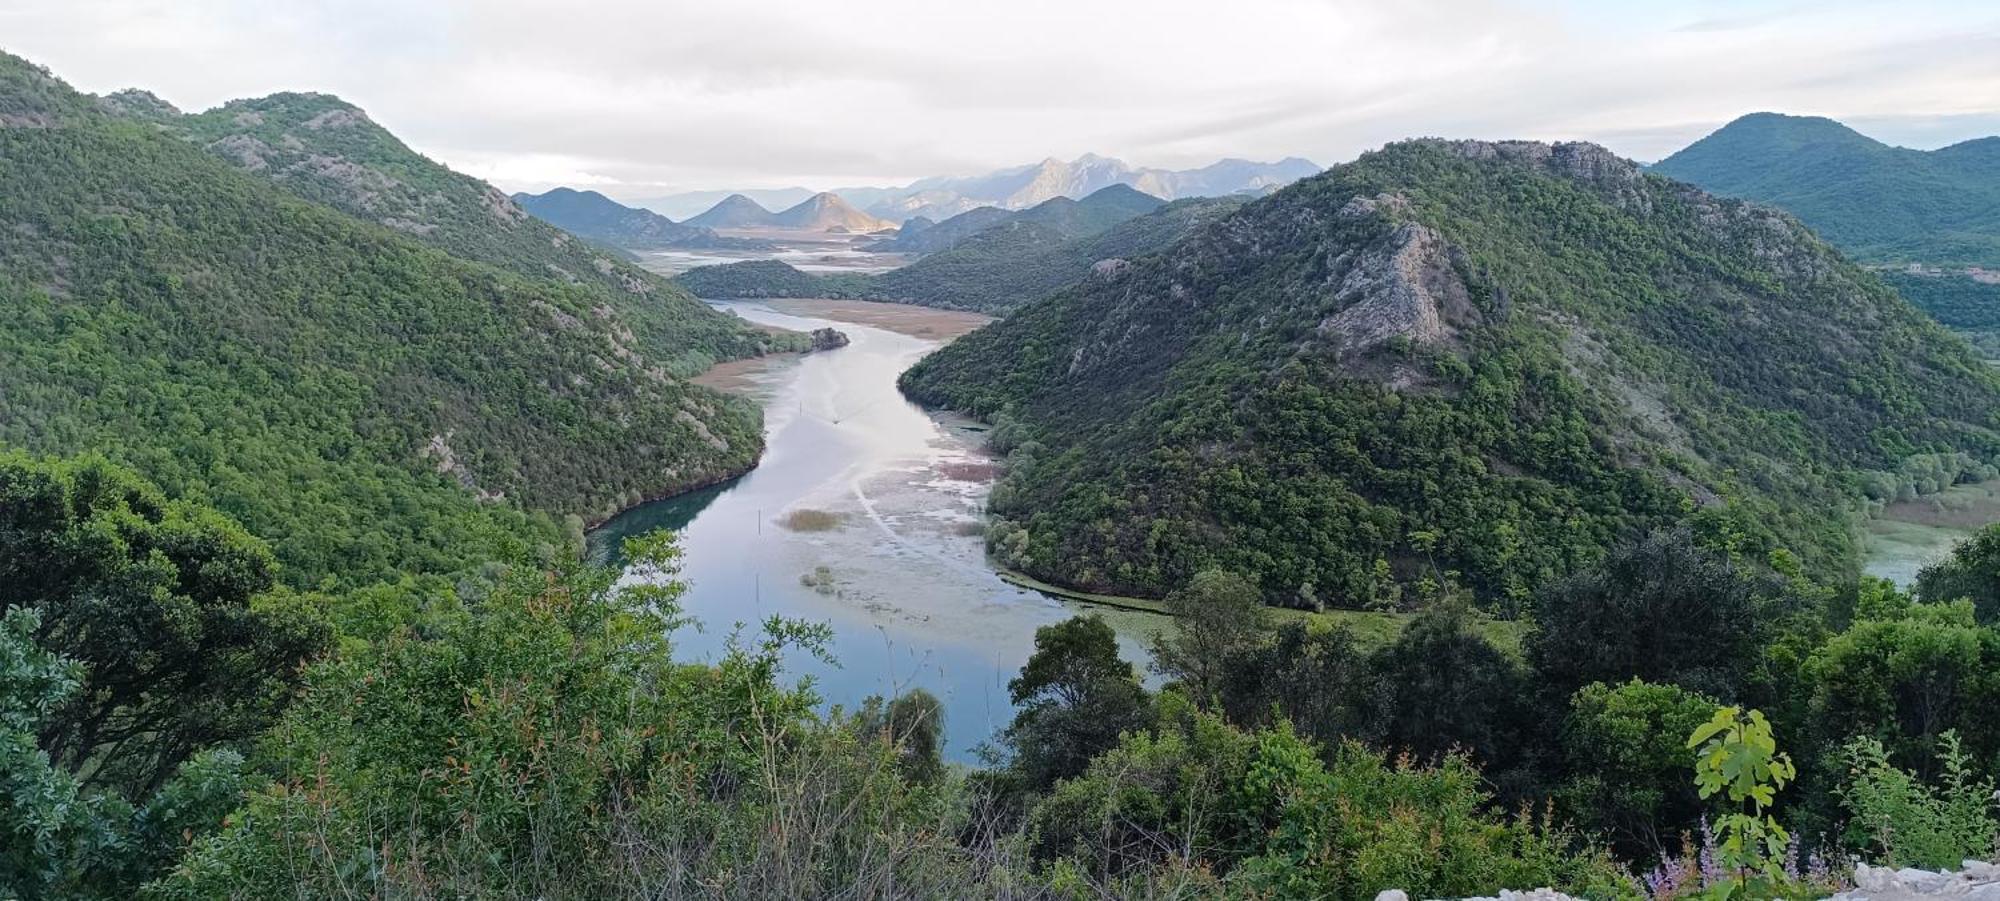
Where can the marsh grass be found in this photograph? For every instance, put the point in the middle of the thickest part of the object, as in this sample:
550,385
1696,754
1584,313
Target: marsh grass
809,520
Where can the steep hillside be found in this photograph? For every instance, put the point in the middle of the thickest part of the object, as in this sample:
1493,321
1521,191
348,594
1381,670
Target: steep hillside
1876,202
595,217
328,151
370,404
1460,360
734,211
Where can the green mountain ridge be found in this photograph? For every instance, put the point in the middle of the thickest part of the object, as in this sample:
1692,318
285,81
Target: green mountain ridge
1879,204
1462,361
367,402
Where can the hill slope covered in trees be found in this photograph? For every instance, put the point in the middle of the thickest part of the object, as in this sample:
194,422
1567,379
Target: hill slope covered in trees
328,151
1466,362
1879,204
370,404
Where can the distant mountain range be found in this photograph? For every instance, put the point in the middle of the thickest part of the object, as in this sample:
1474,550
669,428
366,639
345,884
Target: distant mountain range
1018,188
1879,203
595,217
1018,257
1068,218
822,212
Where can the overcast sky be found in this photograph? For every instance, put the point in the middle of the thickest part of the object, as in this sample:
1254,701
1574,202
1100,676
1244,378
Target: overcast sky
643,97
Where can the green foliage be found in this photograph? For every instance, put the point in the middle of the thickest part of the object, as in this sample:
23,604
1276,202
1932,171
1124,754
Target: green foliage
1662,609
59,839
1442,687
1217,616
1970,573
1626,353
342,390
1904,673
161,604
1275,816
1626,757
1874,201
1904,822
550,747
1965,305
1737,758
1076,697
325,150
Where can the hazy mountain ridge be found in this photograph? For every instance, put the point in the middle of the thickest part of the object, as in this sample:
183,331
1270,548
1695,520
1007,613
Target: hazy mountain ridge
1025,186
1396,360
994,269
593,216
1097,211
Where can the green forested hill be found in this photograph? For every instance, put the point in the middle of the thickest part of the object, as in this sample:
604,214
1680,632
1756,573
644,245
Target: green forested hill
992,271
368,403
328,151
1454,361
1876,202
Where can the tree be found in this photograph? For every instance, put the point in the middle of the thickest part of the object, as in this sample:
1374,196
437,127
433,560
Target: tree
162,603
1661,609
1972,573
1738,759
1216,615
1316,676
1627,763
1076,698
62,840
1444,688
1906,672
913,724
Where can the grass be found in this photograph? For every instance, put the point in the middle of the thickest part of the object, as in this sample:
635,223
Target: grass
1371,627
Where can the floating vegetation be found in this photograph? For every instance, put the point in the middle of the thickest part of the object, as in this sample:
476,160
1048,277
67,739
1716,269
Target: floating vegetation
820,580
808,520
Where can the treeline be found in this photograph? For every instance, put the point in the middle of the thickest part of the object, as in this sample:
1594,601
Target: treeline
535,737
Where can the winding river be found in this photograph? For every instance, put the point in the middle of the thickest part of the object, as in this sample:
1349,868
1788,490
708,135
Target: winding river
866,514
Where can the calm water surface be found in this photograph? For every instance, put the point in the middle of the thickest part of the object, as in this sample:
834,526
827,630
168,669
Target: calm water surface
911,599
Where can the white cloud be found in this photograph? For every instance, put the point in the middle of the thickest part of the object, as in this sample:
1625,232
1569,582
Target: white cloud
639,96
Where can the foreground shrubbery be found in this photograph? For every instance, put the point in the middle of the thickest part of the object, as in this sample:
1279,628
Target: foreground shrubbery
531,735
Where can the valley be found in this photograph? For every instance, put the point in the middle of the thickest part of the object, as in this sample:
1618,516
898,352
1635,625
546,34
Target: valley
897,563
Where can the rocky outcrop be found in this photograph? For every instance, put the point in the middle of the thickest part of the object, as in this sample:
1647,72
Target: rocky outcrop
1976,881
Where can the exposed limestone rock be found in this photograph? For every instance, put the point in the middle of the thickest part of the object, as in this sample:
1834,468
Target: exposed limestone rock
247,151
503,207
134,103
446,460
250,118
336,118
1975,881
1404,287
701,428
1109,268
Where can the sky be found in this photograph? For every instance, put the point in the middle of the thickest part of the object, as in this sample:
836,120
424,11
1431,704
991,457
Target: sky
639,98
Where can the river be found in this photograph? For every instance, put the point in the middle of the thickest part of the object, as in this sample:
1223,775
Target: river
890,535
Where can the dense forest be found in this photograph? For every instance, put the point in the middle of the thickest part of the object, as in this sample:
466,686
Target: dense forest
328,151
1961,303
1682,721
1878,203
1456,364
368,402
